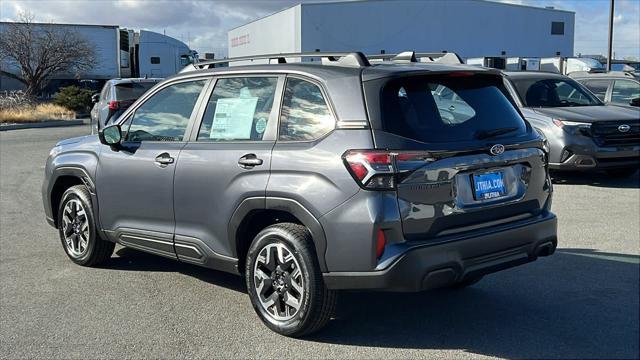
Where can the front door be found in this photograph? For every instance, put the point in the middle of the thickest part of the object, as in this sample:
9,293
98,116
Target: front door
227,161
135,186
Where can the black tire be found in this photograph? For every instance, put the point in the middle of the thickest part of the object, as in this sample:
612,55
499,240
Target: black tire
621,173
317,302
465,283
97,250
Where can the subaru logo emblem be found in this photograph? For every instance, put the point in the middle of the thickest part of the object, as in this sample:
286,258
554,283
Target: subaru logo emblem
497,149
624,128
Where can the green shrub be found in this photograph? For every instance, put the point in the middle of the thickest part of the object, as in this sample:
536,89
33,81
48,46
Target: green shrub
73,98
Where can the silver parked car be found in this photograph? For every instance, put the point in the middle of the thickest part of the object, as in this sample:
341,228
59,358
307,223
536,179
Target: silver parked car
116,96
615,87
582,132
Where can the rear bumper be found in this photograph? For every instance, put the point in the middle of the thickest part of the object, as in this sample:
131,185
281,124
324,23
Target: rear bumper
425,267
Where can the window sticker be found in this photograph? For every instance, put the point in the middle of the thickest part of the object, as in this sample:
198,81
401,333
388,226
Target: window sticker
233,118
261,125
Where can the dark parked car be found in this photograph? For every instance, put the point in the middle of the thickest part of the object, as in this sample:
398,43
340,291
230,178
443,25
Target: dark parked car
615,87
312,177
581,131
116,96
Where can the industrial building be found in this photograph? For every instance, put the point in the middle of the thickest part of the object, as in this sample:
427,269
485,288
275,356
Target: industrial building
471,28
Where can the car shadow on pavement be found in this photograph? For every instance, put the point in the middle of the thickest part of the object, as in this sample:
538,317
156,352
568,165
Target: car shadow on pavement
596,179
133,260
577,303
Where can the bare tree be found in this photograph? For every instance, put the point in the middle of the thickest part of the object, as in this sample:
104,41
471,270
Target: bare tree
41,51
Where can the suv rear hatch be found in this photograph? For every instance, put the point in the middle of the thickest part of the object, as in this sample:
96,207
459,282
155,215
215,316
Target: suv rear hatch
455,149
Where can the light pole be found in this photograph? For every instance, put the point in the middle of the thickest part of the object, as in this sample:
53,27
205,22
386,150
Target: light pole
609,54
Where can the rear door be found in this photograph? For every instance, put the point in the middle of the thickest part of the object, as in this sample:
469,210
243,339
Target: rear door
458,170
226,161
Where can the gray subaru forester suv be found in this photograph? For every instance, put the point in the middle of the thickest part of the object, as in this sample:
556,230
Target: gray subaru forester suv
311,177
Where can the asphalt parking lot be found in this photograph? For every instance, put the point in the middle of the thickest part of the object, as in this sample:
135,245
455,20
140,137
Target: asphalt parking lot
582,302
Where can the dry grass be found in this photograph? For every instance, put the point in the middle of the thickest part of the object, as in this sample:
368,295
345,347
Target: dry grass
36,113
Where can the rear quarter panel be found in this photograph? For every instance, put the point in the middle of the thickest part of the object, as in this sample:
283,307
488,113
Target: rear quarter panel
313,173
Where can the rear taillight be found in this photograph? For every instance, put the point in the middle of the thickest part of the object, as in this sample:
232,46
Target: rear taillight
378,170
121,104
381,242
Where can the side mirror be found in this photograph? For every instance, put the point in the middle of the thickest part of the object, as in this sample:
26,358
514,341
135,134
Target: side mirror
635,101
95,98
111,135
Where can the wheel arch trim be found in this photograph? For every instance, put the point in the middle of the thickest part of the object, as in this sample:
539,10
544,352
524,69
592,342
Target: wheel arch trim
286,205
83,175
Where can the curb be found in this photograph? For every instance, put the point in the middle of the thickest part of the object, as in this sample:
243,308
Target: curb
44,124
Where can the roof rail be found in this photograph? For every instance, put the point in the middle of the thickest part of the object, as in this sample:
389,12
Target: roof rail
412,57
354,59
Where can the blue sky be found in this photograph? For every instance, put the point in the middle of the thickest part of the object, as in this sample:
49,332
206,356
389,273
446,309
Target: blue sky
204,24
592,23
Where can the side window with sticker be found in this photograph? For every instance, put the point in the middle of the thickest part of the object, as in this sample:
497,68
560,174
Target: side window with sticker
238,109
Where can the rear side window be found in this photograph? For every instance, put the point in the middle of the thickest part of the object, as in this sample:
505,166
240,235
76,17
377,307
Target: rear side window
553,92
238,109
165,115
305,114
132,91
440,109
598,87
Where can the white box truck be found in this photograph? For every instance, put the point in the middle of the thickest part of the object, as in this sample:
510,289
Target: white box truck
523,64
567,65
496,62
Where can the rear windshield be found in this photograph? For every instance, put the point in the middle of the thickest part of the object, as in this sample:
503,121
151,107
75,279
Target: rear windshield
536,92
132,91
448,109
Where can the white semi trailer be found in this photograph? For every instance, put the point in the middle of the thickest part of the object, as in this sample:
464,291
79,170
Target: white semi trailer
121,53
567,65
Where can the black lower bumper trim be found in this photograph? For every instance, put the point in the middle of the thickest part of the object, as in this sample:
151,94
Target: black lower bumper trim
428,267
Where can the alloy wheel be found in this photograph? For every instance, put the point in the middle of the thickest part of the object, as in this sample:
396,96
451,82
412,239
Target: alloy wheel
278,281
75,227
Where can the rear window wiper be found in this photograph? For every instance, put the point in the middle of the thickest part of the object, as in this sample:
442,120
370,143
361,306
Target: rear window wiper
486,134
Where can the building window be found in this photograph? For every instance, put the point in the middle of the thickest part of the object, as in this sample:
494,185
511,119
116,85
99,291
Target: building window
155,60
557,28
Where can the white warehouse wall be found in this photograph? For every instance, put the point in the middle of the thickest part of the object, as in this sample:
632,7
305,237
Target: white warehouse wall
472,28
277,33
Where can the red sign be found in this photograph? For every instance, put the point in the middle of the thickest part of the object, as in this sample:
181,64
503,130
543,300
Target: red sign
240,40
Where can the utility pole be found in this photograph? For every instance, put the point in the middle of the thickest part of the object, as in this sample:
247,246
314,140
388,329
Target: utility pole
609,53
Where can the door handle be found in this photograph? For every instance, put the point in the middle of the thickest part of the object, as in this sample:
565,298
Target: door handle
248,161
164,159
